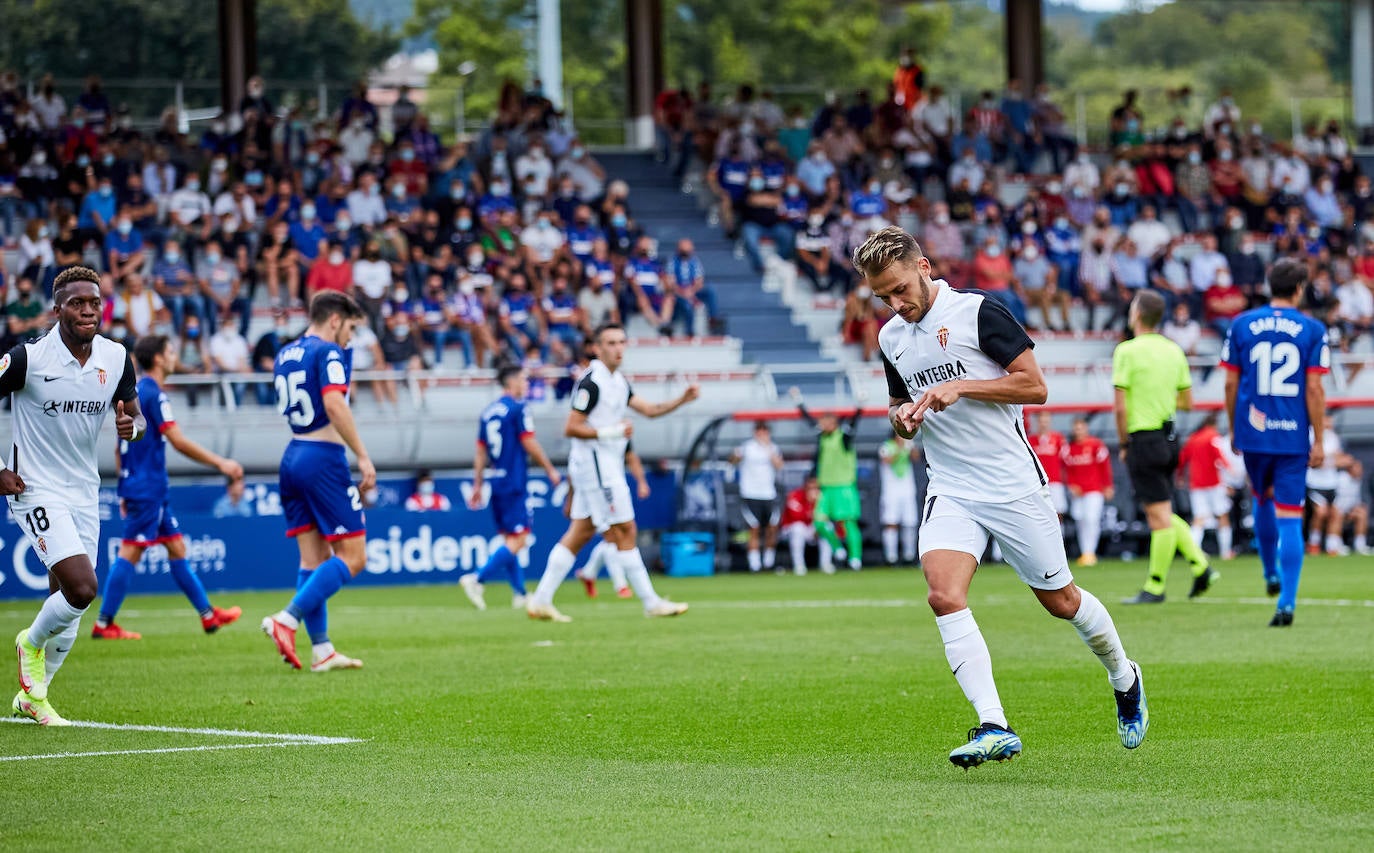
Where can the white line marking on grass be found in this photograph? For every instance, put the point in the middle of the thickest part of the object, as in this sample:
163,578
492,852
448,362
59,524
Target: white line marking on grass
272,739
1310,602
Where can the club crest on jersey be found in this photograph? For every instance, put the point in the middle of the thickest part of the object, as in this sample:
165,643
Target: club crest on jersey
4,363
42,545
943,337
101,374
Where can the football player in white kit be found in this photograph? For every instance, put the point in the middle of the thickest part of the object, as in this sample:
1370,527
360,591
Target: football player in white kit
61,388
898,507
596,470
758,463
959,369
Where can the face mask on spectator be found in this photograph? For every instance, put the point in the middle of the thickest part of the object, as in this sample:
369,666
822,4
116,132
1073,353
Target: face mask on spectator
1225,155
312,157
118,332
942,218
577,152
1031,253
499,189
253,178
374,190
1224,130
1194,157
874,187
1314,233
343,223
1180,132
401,294
1061,222
124,226
193,332
1223,279
475,260
1247,248
756,184
307,212
403,330
1236,222
43,232
106,190
793,191
1028,227
336,257
172,256
1122,190
40,157
619,220
426,488
993,251
1080,192
407,154
212,258
83,161
193,186
399,191
815,220
108,159
78,123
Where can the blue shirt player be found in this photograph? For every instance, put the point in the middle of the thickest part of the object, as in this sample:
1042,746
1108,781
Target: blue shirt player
323,508
1275,358
143,497
506,443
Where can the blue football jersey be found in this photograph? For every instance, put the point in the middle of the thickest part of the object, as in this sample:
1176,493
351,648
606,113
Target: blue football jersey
1273,350
305,370
143,463
503,424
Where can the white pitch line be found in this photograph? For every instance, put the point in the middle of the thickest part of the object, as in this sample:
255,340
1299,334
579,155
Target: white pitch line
272,738
161,751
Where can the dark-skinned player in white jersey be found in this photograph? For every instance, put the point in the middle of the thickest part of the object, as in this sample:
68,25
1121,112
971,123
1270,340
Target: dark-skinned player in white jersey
959,369
62,386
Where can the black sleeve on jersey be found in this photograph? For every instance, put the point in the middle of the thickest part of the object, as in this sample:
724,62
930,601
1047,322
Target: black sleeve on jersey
629,393
1000,337
593,393
16,371
128,383
896,388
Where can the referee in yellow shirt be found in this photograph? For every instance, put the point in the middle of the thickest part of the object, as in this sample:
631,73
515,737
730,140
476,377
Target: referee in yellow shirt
1150,374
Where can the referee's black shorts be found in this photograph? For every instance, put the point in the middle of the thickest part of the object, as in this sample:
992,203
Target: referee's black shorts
1152,460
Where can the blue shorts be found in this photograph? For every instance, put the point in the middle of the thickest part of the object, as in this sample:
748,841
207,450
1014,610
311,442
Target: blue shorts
317,491
1283,473
149,523
511,512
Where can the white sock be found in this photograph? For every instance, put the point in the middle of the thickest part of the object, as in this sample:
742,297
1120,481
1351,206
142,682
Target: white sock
1199,530
755,561
827,553
1314,538
909,543
1094,624
320,651
1333,542
796,543
971,663
56,650
613,566
1224,538
594,563
287,619
632,562
890,545
770,557
54,617
555,572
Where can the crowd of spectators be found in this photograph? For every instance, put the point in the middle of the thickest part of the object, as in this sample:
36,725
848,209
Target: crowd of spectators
509,247
1002,198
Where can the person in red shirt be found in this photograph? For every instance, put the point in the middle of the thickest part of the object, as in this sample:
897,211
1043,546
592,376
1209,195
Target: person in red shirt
330,271
1204,458
1222,303
908,80
1088,471
407,166
798,528
426,498
1049,448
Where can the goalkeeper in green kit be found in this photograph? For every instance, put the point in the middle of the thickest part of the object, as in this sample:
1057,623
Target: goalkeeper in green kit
837,471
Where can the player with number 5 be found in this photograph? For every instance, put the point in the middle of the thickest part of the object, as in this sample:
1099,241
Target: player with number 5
1275,358
323,508
61,388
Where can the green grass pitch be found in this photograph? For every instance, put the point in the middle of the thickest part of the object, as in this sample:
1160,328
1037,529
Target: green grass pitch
781,713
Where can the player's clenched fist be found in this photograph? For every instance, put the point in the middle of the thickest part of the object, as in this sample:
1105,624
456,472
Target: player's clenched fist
11,483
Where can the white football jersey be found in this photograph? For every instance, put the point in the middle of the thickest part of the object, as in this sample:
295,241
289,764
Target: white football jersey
974,450
757,476
890,481
59,408
603,396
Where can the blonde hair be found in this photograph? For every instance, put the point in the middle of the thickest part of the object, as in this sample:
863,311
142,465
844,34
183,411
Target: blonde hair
889,246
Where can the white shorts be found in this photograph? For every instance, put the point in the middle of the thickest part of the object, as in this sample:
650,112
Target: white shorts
1345,503
807,532
56,529
1059,498
606,501
1086,506
1212,502
1026,528
899,509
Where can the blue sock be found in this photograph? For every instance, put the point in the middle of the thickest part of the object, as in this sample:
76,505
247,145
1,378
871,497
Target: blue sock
116,587
317,620
516,574
495,566
1290,561
327,579
190,585
1267,537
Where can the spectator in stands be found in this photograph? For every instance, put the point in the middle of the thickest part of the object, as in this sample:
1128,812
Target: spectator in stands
598,300
232,504
279,262
813,258
943,243
542,244
265,353
1195,194
123,248
1204,266
992,273
1095,276
861,321
1247,269
1064,248
1049,119
1289,178
433,317
588,177
687,276
842,147
1039,281
1130,275
1182,329
562,314
400,349
966,171
221,288
193,357
813,172
229,353
426,497
1023,140
177,285
188,211
1127,122
26,315
366,208
1222,302
760,219
1169,276
467,318
1354,311
1322,205
367,356
1148,233
521,318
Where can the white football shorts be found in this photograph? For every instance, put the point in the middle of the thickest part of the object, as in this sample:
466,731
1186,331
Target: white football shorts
899,509
1209,503
57,529
1059,498
1027,529
605,499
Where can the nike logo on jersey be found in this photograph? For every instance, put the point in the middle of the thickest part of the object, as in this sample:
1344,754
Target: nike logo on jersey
1049,575
51,378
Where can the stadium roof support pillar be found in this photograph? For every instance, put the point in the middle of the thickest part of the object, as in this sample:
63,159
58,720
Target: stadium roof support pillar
1025,42
238,50
644,69
1362,71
